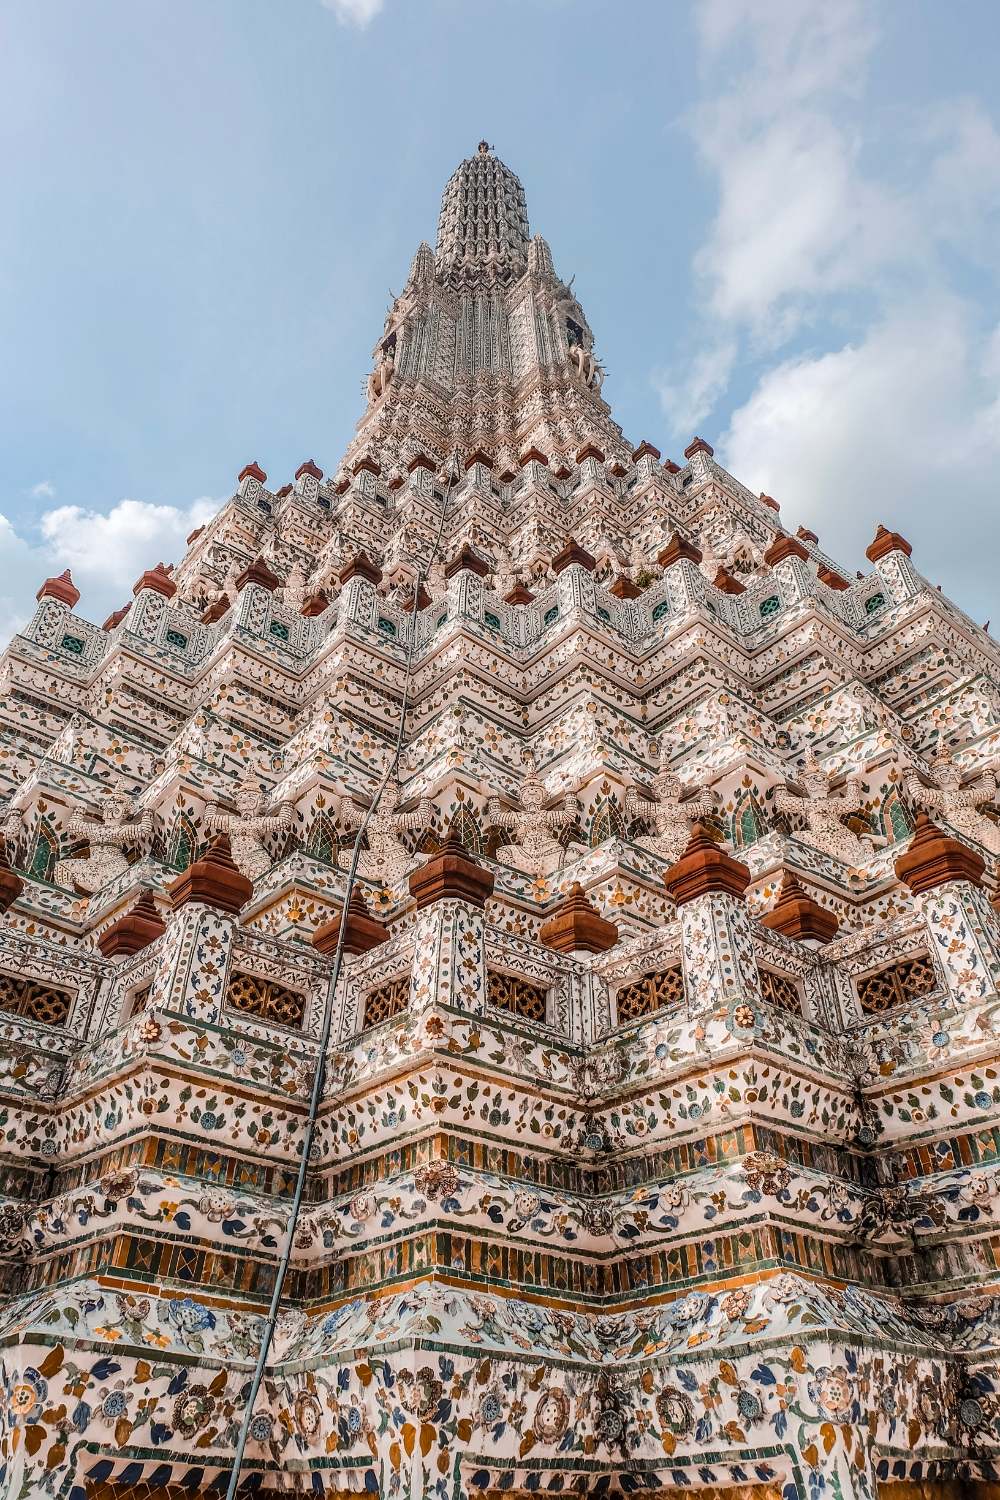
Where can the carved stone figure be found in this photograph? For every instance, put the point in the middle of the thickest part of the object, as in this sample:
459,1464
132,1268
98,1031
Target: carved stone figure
249,825
672,812
294,592
109,836
823,812
954,803
533,847
387,858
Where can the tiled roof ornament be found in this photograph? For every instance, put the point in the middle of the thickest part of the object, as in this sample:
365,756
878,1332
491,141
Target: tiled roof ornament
451,874
212,880
703,869
134,930
157,579
885,542
698,445
935,858
362,931
62,589
797,915
576,926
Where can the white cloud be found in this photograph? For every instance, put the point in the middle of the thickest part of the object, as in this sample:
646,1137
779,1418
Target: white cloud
105,551
44,490
871,233
688,395
354,12
901,426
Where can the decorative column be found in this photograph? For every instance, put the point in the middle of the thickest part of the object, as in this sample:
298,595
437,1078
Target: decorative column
945,877
891,554
720,968
449,962
196,948
787,559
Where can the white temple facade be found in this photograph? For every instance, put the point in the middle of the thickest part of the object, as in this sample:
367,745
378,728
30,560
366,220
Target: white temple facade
656,1143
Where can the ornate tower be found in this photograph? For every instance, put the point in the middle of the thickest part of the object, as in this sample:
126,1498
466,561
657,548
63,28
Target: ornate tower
588,881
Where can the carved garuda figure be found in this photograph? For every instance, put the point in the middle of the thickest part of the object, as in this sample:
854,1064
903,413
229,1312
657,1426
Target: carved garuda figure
823,810
954,803
249,826
533,846
672,812
109,836
387,858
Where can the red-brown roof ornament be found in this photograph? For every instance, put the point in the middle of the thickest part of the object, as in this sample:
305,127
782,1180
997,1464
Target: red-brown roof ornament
194,535
216,610
62,588
572,553
645,450
519,595
478,456
532,456
671,467
212,880
698,445
420,461
157,579
362,931
934,858
677,547
831,578
590,450
467,560
769,501
116,617
727,584
783,547
315,605
365,462
886,542
134,930
797,915
310,467
805,535
11,884
624,588
259,573
575,925
252,470
360,566
451,874
705,868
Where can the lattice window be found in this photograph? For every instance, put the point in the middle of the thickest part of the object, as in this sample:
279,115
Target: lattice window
770,607
512,993
386,1000
651,993
43,853
266,1001
777,989
34,1000
874,604
900,984
138,1001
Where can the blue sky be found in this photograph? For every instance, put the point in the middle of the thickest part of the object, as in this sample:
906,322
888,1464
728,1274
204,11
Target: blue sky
782,218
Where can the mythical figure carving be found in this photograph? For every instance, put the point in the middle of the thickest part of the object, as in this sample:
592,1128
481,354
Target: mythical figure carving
249,825
533,846
387,858
380,378
823,811
957,804
294,592
672,812
109,836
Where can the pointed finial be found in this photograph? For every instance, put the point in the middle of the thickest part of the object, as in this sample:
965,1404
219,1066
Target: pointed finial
483,148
